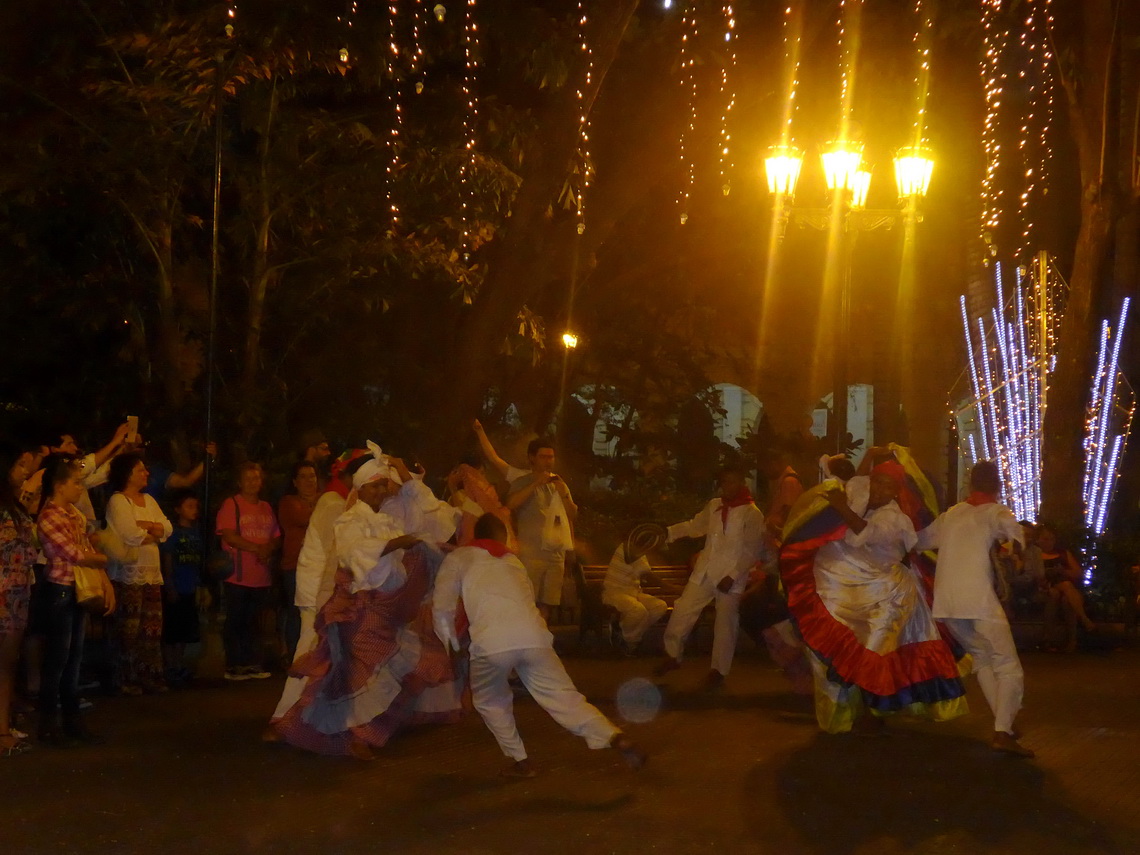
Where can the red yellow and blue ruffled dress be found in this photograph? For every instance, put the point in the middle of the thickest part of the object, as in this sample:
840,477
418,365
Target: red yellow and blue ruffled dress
871,639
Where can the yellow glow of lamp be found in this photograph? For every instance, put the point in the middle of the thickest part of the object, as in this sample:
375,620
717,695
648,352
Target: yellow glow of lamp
569,340
913,168
782,166
841,162
859,190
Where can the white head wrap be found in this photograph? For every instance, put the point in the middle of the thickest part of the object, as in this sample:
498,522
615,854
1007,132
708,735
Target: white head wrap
375,469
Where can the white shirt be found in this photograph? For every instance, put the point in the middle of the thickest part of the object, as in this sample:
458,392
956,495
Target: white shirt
316,562
964,576
730,550
361,536
886,538
623,577
123,516
498,598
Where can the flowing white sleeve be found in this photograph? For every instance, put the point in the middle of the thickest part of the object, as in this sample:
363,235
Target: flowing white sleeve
121,518
428,514
445,599
698,526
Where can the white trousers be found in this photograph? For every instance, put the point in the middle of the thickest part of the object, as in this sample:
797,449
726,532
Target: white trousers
545,677
996,665
637,613
305,642
688,609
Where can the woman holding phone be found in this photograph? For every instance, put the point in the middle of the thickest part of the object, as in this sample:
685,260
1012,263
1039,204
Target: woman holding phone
66,544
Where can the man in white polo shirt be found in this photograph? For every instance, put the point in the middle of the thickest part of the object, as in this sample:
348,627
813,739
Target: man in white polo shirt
965,600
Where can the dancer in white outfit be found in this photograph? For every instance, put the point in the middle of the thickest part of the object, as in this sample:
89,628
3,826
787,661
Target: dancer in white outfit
508,634
965,601
735,540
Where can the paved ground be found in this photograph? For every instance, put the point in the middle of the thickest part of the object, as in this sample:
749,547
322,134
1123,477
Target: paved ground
740,771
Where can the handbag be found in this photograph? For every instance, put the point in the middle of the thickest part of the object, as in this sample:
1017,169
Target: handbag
224,563
90,584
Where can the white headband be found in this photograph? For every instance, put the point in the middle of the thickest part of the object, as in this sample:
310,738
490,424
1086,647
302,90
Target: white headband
375,469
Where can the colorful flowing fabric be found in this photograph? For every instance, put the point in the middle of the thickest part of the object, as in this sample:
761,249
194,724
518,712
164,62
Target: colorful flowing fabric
377,665
872,640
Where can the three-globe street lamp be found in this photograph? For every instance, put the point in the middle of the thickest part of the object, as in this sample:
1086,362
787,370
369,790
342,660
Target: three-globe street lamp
848,183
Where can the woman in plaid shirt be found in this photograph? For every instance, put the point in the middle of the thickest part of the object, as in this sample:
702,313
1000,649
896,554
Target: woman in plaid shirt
63,536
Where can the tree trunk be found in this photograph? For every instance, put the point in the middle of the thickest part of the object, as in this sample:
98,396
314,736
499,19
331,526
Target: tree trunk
261,274
516,259
1087,63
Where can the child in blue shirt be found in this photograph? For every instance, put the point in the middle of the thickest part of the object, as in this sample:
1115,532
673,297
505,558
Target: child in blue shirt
181,573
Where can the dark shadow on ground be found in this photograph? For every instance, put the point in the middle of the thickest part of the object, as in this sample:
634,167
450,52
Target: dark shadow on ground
914,792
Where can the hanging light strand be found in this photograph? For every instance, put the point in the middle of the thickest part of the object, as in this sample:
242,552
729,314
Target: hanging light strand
994,39
689,34
586,165
923,32
470,119
727,96
395,102
792,72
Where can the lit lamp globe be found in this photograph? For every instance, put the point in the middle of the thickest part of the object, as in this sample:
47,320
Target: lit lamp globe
841,161
440,12
569,340
859,189
913,167
782,167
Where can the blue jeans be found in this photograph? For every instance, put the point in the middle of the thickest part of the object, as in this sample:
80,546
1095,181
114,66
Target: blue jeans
240,634
65,624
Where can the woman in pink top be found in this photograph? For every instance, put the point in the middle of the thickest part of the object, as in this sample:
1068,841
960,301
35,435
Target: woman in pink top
251,536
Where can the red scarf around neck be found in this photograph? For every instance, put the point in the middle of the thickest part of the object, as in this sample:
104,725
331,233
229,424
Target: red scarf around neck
976,498
742,498
492,546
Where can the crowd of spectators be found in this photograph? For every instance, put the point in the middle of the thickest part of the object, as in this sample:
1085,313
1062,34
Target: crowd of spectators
138,530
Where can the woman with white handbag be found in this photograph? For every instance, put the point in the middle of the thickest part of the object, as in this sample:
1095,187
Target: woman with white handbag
68,549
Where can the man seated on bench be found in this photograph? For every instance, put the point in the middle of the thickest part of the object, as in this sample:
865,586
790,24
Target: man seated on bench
621,588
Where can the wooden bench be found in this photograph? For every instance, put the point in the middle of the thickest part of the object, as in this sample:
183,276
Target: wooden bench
597,618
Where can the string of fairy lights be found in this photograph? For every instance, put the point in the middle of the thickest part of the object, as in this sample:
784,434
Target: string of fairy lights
923,34
584,118
395,103
689,33
470,121
994,39
728,98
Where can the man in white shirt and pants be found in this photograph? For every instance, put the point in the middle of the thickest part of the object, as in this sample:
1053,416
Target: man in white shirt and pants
736,539
508,634
965,600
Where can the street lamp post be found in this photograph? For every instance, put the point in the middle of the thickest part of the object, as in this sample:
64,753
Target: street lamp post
848,184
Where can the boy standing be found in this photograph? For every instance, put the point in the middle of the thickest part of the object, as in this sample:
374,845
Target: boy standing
508,634
181,566
965,601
